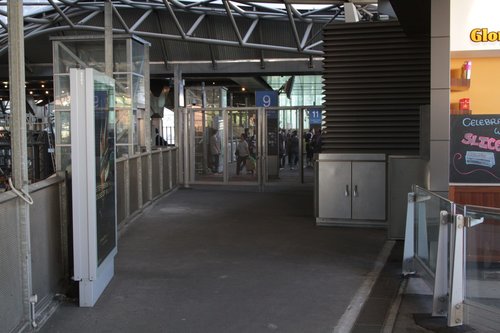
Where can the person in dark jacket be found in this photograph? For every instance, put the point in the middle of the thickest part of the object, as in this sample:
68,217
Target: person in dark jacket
294,150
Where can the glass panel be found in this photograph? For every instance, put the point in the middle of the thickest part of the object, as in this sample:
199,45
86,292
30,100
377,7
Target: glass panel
216,97
63,130
168,132
242,146
483,257
65,158
123,91
427,217
62,98
194,97
81,54
304,90
208,145
137,57
120,56
122,149
104,123
135,133
283,146
123,125
139,97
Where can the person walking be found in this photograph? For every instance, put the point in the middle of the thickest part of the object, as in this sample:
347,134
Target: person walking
215,150
242,153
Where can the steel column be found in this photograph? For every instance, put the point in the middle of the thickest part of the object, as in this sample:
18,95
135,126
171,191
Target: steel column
108,38
19,144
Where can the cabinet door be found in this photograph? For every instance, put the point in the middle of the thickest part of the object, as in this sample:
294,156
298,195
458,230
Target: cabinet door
368,194
334,185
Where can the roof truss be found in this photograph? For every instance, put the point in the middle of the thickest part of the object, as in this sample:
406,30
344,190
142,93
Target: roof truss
76,15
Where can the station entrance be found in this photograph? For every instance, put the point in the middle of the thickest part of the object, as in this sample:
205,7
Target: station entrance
248,146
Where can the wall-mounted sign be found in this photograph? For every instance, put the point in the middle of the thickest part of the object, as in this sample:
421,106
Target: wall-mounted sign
475,149
484,35
315,117
474,26
266,98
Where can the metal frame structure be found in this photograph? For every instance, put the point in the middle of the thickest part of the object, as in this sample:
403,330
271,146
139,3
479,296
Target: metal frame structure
67,15
188,154
449,281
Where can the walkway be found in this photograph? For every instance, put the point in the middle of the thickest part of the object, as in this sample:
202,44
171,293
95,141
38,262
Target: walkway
215,259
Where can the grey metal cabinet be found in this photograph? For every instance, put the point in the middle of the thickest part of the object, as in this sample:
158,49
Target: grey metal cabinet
334,190
368,190
351,189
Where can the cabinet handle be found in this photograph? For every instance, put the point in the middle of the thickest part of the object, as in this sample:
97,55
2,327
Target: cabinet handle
346,193
355,193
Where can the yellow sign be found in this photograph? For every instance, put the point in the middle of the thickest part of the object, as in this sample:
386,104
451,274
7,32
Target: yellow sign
480,35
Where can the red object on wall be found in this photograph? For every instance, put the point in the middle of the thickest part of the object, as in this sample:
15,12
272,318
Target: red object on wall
464,104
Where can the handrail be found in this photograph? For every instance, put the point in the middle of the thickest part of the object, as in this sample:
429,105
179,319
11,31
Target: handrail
448,273
21,193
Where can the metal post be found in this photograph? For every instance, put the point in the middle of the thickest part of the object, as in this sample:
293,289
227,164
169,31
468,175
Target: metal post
301,145
440,295
225,144
262,126
178,103
170,173
409,246
19,142
185,149
126,186
147,122
456,302
108,38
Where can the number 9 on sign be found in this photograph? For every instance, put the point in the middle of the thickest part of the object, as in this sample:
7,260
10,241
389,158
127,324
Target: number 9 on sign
266,98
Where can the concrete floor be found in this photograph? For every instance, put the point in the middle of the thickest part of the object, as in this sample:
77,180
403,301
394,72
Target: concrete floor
218,259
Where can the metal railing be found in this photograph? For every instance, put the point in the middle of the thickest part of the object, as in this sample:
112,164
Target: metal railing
456,250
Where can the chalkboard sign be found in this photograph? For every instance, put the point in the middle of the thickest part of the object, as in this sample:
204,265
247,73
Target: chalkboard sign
475,149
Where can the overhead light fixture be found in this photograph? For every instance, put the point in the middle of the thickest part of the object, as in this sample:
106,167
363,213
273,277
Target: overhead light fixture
46,92
31,92
243,89
43,85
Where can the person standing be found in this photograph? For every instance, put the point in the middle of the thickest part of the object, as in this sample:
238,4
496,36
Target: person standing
294,150
159,141
282,148
215,150
242,153
308,138
317,142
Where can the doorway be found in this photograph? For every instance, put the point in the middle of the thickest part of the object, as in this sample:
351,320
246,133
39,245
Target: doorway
249,146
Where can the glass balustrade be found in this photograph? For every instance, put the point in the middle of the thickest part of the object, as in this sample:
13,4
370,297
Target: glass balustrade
428,210
482,257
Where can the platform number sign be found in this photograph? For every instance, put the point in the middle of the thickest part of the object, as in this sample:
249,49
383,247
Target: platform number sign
315,117
266,98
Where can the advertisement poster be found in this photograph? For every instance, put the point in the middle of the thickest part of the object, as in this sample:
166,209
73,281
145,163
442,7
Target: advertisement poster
105,171
475,149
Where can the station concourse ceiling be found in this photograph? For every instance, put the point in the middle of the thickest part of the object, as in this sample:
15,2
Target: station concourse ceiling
231,42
